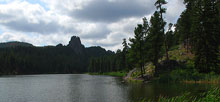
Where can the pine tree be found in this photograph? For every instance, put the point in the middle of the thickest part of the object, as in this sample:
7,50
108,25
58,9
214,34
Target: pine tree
137,49
145,33
184,25
155,39
145,27
159,4
124,54
205,29
170,36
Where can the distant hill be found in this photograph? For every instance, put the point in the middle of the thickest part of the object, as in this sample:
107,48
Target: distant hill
24,58
98,51
15,44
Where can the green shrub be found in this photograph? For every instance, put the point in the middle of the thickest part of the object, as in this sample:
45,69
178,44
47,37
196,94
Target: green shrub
179,75
118,74
212,95
165,78
174,48
189,64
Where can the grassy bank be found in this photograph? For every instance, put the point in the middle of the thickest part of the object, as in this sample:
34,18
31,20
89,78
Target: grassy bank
117,74
205,79
134,80
186,72
189,76
211,96
181,75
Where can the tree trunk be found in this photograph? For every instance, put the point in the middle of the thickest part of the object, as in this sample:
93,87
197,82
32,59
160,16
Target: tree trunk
142,72
156,74
166,48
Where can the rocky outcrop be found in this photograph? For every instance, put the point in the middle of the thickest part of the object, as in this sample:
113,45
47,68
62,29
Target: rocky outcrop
145,79
129,74
76,46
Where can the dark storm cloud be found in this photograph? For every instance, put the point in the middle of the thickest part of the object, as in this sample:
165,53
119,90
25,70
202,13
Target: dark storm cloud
110,11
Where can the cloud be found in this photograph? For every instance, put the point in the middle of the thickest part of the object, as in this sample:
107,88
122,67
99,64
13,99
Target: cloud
93,30
97,22
40,27
114,10
64,6
37,40
174,9
112,41
125,25
26,17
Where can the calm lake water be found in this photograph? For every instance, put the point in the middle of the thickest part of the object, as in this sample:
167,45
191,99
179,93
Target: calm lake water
85,88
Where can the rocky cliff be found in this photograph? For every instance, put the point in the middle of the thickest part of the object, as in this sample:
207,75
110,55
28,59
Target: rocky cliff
76,46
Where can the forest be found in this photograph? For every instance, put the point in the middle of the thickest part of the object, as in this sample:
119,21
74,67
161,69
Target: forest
197,31
155,41
24,58
162,60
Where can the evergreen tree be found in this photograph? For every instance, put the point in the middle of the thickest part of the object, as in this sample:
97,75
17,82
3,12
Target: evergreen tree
146,46
145,27
159,5
137,49
205,29
155,39
124,54
137,53
184,25
170,36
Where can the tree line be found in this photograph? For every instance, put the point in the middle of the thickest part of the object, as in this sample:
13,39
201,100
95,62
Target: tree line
197,29
44,60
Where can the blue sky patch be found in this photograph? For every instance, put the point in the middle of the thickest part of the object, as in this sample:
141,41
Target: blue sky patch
38,2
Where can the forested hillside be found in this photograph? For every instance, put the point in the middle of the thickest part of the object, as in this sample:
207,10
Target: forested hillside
197,30
18,58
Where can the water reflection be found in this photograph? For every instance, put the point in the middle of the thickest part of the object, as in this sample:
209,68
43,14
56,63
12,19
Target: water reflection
85,88
152,91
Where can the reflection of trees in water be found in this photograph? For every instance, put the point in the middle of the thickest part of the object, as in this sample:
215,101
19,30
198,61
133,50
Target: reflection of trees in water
140,91
92,88
154,90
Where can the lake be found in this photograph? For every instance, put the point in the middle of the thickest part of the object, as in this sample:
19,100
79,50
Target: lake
85,88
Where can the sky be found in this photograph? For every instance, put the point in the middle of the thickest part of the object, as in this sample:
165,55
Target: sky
97,22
